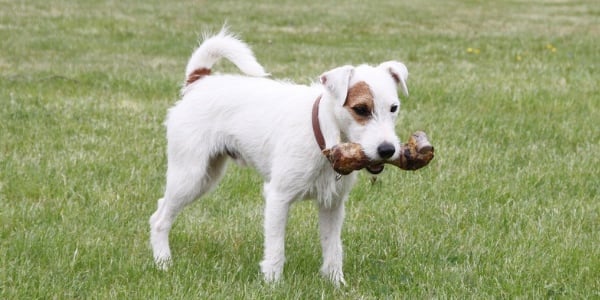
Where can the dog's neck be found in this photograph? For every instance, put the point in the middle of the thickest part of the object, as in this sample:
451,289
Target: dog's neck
338,136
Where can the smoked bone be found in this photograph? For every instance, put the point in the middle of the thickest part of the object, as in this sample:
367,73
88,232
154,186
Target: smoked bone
348,157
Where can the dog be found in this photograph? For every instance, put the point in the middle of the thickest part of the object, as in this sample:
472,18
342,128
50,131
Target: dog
279,128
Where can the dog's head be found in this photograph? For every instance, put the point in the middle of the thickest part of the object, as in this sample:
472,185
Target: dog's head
366,105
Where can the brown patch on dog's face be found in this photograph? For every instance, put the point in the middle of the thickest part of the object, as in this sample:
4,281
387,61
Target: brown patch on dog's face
196,75
360,102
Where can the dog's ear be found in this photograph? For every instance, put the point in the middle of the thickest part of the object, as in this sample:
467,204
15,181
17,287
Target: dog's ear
336,82
399,72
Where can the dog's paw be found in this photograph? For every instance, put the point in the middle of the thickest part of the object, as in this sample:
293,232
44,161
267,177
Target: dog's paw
163,263
335,275
272,271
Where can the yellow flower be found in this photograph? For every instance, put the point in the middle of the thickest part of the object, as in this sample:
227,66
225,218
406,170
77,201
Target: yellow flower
473,50
519,58
551,48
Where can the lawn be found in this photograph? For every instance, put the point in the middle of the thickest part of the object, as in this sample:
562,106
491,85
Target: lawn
506,90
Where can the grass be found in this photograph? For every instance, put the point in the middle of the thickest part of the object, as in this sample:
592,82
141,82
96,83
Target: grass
507,91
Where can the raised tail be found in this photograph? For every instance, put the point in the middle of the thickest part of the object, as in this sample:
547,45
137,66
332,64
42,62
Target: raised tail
216,47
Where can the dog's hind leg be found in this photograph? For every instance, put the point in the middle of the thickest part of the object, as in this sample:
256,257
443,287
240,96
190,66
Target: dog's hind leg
185,183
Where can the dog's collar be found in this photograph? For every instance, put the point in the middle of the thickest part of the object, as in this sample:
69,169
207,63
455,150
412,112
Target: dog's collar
316,125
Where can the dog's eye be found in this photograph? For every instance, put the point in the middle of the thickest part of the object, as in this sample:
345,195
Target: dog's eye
361,110
394,108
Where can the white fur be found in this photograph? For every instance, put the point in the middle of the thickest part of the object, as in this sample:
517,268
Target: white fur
267,124
224,45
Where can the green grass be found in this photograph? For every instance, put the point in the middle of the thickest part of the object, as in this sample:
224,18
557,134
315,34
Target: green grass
507,91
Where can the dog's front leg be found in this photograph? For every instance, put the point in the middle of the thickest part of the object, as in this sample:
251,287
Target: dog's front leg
276,213
330,225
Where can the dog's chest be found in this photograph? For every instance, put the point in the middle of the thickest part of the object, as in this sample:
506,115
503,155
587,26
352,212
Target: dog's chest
329,189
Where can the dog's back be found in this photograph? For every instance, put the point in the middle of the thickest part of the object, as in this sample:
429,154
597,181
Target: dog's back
247,116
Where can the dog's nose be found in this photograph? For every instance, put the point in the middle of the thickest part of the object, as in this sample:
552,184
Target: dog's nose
386,150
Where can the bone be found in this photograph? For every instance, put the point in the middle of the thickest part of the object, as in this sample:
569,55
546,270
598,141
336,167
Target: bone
348,157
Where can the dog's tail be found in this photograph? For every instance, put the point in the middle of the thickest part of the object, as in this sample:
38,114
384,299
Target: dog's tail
216,47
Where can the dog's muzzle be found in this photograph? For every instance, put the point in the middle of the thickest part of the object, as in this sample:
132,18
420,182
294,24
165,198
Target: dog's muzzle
375,169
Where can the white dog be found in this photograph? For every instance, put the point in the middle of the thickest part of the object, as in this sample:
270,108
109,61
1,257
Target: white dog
279,128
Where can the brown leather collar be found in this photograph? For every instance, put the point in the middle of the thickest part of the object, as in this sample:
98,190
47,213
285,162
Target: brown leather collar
316,124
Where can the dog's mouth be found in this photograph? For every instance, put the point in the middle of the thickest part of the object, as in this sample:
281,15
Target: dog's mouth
375,169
